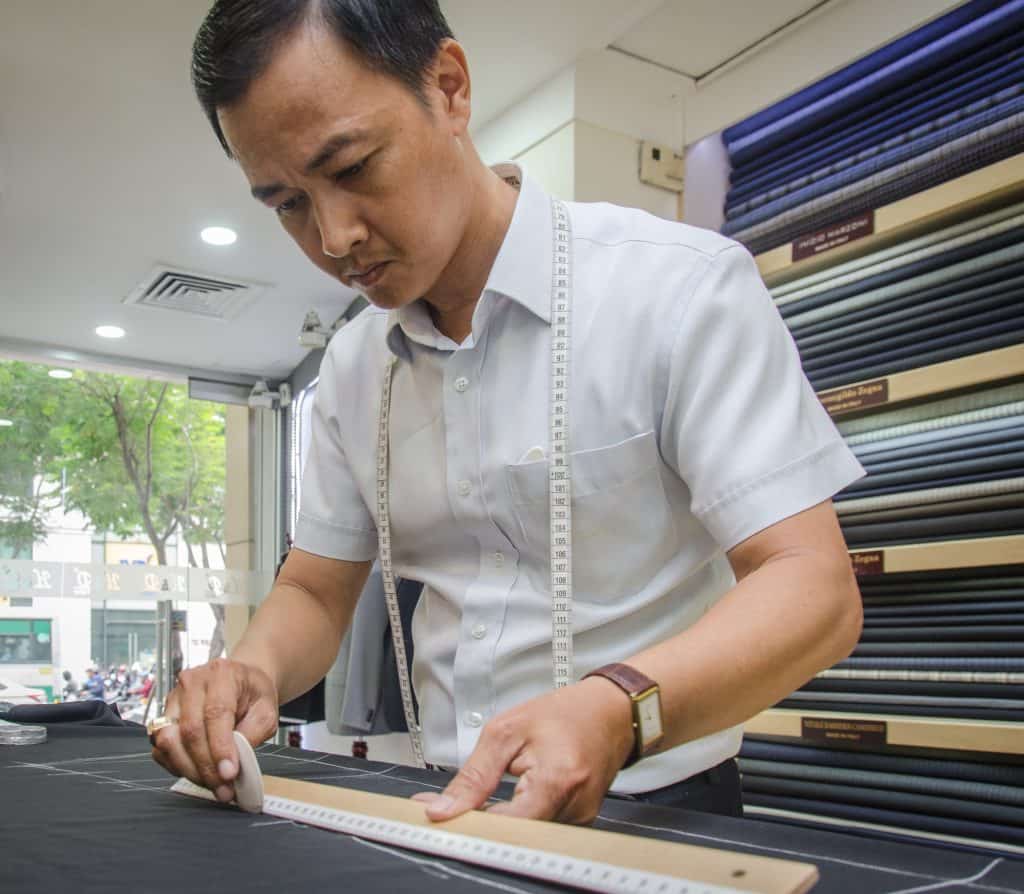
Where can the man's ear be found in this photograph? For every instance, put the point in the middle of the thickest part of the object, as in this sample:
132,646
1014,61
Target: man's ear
451,77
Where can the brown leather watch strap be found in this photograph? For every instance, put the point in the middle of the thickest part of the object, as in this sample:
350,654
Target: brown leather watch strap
628,678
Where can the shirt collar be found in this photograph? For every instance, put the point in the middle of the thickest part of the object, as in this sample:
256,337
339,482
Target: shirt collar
521,270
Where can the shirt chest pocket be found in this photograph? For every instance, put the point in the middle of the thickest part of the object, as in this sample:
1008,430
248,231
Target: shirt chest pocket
622,526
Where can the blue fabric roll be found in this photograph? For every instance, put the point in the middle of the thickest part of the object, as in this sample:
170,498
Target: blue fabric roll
906,342
952,435
947,480
904,67
891,52
830,157
954,159
974,341
906,146
988,69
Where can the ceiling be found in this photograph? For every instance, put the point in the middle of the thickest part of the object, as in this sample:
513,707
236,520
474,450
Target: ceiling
108,168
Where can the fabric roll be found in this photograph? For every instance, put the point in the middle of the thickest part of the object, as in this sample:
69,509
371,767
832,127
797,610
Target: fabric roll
987,70
970,610
868,707
939,255
940,454
939,317
1011,461
879,602
957,706
927,48
960,632
992,268
961,507
989,338
878,538
994,773
900,255
937,496
941,649
965,434
900,821
865,689
887,799
901,149
990,403
979,792
983,147
1014,665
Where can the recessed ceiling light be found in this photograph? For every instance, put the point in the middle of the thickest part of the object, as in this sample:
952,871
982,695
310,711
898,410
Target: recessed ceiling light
60,373
110,332
219,236
5,423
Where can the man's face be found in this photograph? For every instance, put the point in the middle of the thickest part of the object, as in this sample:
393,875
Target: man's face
361,175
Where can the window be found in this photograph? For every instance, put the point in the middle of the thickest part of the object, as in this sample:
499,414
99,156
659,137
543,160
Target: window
26,641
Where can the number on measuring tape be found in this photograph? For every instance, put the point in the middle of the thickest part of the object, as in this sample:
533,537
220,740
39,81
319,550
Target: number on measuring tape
559,487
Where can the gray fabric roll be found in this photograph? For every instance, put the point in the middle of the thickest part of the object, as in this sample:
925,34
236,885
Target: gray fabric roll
953,507
904,782
932,495
963,435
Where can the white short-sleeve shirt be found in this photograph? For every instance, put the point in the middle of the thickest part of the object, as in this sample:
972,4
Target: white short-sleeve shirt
692,427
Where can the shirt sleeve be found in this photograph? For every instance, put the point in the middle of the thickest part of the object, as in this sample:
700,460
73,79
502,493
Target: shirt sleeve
742,426
334,520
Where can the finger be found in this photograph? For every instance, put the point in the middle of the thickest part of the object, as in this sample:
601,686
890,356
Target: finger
172,756
499,743
426,797
219,710
535,797
259,721
191,730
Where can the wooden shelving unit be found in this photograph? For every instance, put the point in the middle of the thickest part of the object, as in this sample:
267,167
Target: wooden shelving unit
946,203
812,727
982,552
926,381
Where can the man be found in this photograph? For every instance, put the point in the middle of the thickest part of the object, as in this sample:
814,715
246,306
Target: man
699,454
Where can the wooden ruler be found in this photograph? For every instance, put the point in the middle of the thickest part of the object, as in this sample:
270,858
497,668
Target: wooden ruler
573,856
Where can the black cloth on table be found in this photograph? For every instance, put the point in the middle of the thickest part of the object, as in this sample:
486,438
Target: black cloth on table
90,800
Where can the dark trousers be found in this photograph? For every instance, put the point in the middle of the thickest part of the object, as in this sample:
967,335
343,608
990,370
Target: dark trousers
714,791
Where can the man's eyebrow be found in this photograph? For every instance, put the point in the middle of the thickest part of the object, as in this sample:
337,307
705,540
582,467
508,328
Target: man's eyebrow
329,149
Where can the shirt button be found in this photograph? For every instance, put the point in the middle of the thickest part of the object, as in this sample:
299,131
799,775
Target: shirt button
499,559
479,631
461,384
474,718
464,488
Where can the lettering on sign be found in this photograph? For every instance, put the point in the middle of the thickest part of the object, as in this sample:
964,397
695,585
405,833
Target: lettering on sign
855,397
836,731
833,236
867,563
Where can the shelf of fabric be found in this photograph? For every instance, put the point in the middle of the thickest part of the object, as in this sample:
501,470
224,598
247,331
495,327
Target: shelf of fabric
969,553
966,196
1001,364
881,730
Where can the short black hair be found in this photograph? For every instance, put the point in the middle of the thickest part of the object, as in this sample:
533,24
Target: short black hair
237,39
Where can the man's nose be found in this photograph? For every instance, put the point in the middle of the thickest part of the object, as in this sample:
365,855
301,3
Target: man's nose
341,229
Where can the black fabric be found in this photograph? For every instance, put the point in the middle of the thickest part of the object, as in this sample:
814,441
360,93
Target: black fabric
93,803
714,791
893,818
944,527
85,713
949,632
870,707
995,774
916,687
941,649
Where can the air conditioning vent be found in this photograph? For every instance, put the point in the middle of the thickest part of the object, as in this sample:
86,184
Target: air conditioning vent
198,294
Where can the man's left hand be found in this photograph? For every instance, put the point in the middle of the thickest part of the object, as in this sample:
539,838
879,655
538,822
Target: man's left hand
565,747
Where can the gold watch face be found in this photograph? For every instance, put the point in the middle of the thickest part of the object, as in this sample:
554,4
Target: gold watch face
648,708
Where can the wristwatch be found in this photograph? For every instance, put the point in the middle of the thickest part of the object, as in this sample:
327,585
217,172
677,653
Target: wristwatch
645,698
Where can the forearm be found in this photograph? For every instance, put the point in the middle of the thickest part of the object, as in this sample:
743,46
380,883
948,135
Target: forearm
294,638
777,628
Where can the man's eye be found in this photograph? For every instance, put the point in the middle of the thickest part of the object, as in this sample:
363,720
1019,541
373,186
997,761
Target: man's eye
350,172
287,206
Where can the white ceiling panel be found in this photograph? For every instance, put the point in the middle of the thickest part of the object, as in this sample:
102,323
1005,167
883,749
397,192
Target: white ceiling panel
695,36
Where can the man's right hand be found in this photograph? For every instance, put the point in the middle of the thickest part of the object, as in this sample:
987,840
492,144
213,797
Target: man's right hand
207,705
